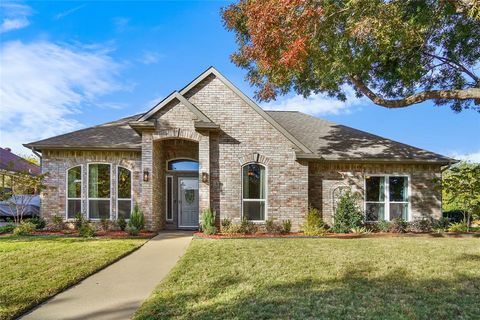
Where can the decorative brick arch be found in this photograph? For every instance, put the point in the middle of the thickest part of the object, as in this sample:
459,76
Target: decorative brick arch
254,157
177,133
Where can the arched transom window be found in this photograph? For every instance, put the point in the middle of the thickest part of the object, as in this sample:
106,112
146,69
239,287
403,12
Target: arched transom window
254,191
182,165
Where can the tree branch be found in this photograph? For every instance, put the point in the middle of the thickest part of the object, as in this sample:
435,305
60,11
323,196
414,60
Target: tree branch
455,64
465,94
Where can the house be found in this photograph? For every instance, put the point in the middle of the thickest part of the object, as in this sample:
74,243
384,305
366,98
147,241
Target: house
11,163
210,146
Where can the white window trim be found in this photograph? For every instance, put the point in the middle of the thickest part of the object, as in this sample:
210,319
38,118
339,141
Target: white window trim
81,191
256,200
88,186
387,195
166,197
116,191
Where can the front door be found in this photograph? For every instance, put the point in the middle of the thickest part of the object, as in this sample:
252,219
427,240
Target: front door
188,202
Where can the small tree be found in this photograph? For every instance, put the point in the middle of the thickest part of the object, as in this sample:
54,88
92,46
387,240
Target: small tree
461,189
347,215
24,188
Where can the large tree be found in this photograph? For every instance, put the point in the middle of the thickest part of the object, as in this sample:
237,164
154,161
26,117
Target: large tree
397,53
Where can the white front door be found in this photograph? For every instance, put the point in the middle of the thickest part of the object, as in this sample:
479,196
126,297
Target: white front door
188,202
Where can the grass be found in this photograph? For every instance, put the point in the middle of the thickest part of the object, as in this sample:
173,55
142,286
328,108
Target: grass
370,278
33,269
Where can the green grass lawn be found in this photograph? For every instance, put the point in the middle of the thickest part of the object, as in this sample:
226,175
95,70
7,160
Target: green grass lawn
35,268
369,278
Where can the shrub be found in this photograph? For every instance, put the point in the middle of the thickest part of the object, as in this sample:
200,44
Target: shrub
57,222
422,225
8,228
248,227
86,230
132,230
458,227
39,222
286,226
313,223
226,222
232,229
78,221
442,223
398,225
105,224
360,230
272,227
24,228
383,226
122,224
348,214
208,222
137,220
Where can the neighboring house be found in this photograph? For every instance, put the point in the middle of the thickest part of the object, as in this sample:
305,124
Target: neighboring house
11,163
210,146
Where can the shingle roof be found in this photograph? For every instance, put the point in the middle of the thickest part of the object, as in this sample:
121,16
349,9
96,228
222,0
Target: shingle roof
115,135
331,141
11,162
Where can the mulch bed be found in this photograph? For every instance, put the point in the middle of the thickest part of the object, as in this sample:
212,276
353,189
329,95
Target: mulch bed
201,235
99,234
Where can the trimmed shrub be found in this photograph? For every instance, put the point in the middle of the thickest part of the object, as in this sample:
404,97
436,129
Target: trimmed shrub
248,227
313,223
442,223
360,230
422,225
122,224
208,222
132,230
286,226
458,227
8,228
78,220
137,220
383,226
232,229
105,224
398,225
348,214
226,222
272,227
86,230
24,228
57,223
39,222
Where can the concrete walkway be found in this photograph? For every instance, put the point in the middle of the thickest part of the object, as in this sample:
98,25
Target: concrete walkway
118,290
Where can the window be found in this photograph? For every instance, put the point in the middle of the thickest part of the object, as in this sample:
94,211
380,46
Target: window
253,193
386,198
124,192
169,204
74,191
182,165
99,191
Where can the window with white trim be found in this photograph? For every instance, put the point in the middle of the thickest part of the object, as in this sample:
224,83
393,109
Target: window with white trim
124,192
99,191
254,191
74,191
386,197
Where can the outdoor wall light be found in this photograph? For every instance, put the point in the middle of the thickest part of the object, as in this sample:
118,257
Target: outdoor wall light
146,175
204,177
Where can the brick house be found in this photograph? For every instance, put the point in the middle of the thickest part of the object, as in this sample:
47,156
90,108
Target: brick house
210,146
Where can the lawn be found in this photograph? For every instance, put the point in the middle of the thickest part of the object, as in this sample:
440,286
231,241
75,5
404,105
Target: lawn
368,278
35,268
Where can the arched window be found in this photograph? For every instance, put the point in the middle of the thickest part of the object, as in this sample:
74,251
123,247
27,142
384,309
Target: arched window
254,191
124,192
74,191
182,165
99,194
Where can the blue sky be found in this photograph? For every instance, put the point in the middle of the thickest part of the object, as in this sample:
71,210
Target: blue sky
66,65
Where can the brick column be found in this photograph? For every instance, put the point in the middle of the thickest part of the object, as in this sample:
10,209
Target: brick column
204,168
147,186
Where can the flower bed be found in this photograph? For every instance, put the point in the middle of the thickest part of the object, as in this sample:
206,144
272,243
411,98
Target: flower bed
98,234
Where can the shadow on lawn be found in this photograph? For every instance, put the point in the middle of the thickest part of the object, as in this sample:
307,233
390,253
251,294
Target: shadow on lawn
353,295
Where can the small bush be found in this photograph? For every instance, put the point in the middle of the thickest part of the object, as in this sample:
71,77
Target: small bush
360,230
458,227
8,228
272,227
383,226
422,225
232,229
39,222
314,224
57,223
78,220
105,224
348,214
86,230
398,225
226,222
132,230
248,227
286,226
208,222
442,223
24,228
137,220
122,224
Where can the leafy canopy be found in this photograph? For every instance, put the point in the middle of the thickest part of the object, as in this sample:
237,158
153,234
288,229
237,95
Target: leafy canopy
396,53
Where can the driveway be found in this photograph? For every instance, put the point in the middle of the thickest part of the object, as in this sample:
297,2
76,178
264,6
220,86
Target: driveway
118,290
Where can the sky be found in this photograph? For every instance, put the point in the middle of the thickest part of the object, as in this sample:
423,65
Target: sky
66,65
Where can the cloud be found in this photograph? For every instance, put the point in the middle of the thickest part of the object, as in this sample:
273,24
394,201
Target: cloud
121,23
45,84
65,13
151,57
317,104
15,16
469,157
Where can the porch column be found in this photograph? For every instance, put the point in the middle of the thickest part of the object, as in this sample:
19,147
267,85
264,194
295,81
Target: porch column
147,186
204,172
